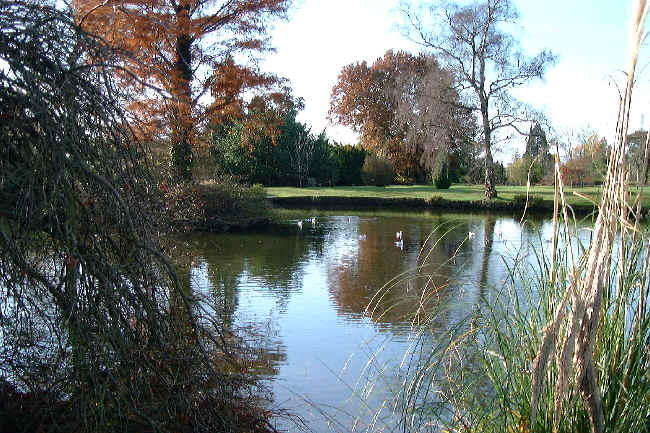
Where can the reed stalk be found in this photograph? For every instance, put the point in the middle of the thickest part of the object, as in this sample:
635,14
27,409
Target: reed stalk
587,302
563,348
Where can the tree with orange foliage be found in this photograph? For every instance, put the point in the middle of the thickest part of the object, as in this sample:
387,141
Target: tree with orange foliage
403,107
178,53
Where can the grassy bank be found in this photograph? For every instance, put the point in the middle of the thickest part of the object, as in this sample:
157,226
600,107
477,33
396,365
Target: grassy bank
455,193
583,200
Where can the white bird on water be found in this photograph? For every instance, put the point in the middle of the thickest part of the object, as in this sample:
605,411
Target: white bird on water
400,240
471,235
300,224
313,220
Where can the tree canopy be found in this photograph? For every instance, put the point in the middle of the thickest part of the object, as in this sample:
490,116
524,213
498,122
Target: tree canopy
294,157
636,154
178,54
536,143
405,108
586,156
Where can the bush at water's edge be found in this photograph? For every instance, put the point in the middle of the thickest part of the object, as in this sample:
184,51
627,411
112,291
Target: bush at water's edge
228,205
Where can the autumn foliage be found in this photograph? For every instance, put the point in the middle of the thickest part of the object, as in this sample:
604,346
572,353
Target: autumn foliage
180,61
404,107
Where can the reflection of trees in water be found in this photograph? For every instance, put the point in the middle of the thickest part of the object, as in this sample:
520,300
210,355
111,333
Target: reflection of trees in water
224,281
357,271
274,260
264,351
391,285
489,222
374,278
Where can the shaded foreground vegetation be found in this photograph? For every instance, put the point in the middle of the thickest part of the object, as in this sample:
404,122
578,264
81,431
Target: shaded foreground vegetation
98,331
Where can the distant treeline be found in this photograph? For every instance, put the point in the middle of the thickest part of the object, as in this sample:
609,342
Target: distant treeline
295,157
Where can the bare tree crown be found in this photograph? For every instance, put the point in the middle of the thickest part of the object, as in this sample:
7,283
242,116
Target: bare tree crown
486,60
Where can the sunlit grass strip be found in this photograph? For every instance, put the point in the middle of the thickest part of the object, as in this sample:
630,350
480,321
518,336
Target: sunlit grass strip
584,197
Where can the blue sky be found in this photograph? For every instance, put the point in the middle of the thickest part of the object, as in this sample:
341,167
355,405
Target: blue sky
590,38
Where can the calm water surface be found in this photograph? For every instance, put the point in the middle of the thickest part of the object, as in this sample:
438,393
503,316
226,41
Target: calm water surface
330,305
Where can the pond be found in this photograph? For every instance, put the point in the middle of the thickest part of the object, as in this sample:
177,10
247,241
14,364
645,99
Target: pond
330,303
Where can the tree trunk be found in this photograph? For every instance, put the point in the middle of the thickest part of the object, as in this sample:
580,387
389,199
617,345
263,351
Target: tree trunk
490,190
181,123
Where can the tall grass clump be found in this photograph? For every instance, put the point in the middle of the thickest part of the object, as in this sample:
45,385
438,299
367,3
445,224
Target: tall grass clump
479,378
564,345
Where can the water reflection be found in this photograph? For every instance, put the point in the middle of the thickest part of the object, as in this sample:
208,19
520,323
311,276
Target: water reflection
376,279
488,239
319,301
272,260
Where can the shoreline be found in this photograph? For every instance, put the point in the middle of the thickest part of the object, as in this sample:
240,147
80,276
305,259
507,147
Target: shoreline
538,208
460,197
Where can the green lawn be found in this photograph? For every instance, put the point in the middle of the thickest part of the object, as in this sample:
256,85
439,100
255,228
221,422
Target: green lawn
456,192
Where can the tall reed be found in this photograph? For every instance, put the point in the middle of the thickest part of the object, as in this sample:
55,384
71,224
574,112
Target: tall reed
565,345
580,309
478,377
